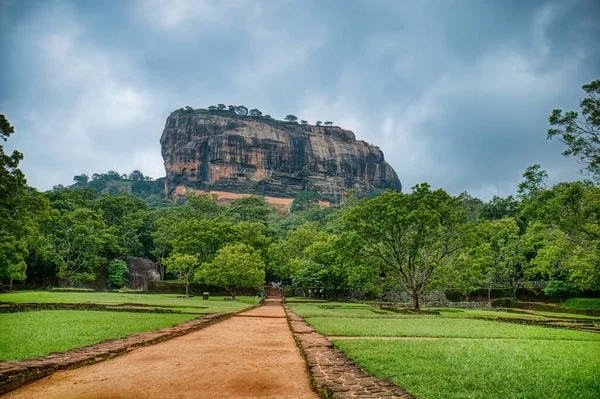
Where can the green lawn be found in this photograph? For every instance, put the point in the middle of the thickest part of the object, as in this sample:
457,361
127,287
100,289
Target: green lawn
483,369
172,301
441,328
496,360
339,309
32,334
583,303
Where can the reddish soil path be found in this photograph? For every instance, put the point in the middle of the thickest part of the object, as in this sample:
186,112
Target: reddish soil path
247,356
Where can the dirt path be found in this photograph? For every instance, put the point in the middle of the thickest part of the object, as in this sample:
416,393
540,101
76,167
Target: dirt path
252,355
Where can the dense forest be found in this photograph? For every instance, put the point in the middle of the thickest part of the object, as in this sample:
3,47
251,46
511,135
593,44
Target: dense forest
414,242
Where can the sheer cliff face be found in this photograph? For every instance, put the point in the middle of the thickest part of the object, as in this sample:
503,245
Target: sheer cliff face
239,155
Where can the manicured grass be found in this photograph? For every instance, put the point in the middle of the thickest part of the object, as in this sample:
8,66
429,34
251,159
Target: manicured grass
214,304
553,315
583,303
442,328
338,309
32,334
486,313
483,369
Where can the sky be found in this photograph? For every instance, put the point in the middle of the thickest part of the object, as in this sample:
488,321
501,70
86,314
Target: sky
456,93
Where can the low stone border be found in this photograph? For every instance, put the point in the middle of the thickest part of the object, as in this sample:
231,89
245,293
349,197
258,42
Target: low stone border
334,375
14,374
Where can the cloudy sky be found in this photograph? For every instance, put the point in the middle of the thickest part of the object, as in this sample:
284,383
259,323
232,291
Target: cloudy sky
456,93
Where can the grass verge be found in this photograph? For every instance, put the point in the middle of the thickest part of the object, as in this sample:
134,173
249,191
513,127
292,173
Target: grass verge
442,328
32,334
483,369
213,305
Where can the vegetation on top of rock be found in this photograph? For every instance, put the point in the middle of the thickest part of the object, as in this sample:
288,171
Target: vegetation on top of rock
242,111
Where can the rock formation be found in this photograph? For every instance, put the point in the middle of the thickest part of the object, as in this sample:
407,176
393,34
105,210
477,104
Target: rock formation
141,272
233,156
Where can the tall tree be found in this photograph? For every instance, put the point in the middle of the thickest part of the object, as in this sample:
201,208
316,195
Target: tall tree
241,110
291,118
184,267
412,234
80,243
255,112
581,135
234,266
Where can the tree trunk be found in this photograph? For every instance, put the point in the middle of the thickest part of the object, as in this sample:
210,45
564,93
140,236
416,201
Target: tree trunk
490,294
515,287
416,302
11,281
187,290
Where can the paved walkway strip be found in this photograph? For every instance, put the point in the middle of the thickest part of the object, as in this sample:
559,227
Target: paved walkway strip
242,357
333,374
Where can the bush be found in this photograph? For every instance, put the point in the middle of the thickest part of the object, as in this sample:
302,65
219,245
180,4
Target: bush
560,289
583,303
117,273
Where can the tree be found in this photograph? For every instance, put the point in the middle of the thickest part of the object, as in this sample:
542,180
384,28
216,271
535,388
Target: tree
291,118
319,123
212,108
499,208
12,180
303,122
202,238
221,107
412,234
117,273
188,108
81,180
12,258
235,266
581,136
565,233
184,267
255,112
506,252
304,200
534,183
282,254
471,205
241,110
136,175
80,243
231,108
248,209
328,123
268,117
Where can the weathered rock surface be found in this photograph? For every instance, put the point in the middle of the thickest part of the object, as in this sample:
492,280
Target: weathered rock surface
225,153
141,272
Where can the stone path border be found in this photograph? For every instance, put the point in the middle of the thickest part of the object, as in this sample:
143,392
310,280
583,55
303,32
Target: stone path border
14,374
333,375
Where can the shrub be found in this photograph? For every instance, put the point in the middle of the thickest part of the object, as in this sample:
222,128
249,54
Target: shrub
583,303
117,273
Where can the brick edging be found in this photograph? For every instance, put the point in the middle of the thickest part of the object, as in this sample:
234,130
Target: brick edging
333,375
16,373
